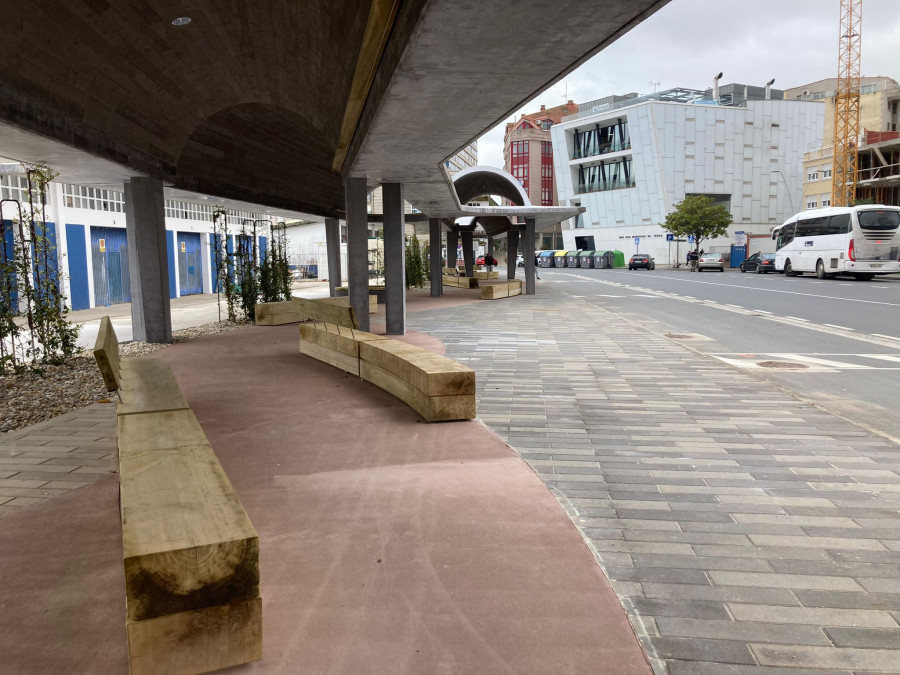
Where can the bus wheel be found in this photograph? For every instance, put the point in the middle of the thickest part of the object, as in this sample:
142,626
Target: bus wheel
820,270
864,277
789,269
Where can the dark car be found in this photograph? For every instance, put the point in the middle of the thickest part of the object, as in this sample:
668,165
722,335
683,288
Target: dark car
641,261
761,263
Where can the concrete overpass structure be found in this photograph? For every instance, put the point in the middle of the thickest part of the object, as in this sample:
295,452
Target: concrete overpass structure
293,104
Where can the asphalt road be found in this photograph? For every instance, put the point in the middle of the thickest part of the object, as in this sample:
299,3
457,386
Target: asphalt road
834,342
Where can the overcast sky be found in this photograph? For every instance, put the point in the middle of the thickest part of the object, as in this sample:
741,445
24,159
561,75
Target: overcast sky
687,42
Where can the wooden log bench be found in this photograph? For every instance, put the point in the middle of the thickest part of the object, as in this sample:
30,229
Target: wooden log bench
459,281
502,289
436,387
485,274
191,554
377,290
296,310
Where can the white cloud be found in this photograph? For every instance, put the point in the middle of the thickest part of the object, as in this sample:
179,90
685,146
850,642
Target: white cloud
689,41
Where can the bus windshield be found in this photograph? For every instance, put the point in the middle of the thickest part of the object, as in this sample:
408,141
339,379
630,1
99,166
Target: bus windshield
878,220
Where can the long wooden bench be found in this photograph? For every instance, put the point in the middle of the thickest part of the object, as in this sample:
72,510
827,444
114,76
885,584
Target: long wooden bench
458,281
296,310
502,289
484,274
436,387
378,290
191,554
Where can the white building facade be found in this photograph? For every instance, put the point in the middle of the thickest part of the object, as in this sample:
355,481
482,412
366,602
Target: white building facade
630,165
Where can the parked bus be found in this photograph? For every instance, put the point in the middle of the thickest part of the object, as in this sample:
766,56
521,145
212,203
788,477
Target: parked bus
861,241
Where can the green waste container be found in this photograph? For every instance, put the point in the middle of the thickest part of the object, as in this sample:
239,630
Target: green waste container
586,259
572,258
619,259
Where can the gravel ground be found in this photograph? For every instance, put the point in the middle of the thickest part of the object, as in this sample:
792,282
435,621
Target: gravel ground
36,397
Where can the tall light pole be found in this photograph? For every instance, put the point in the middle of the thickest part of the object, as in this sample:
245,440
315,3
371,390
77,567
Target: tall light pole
787,189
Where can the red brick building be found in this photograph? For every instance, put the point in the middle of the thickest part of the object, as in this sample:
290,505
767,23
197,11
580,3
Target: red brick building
528,155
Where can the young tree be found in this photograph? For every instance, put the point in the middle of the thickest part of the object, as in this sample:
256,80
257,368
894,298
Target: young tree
699,217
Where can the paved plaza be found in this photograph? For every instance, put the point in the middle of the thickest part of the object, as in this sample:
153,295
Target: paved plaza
741,528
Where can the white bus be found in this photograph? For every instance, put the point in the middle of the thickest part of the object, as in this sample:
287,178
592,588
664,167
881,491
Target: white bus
861,241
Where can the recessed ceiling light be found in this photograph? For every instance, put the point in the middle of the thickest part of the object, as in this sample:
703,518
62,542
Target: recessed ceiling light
181,21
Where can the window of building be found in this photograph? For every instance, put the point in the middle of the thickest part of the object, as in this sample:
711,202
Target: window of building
546,173
613,175
16,187
811,203
546,124
826,172
826,200
812,174
519,162
602,139
84,197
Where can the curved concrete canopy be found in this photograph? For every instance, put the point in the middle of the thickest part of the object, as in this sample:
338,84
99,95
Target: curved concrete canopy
386,85
477,181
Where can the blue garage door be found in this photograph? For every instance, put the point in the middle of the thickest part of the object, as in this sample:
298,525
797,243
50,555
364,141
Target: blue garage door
109,260
45,262
190,268
76,251
7,261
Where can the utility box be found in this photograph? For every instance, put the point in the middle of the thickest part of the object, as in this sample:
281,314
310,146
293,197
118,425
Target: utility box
586,259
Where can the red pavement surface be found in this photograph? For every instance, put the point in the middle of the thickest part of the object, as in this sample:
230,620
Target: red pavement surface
387,544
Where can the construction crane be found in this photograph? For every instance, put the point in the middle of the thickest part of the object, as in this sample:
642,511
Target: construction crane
846,106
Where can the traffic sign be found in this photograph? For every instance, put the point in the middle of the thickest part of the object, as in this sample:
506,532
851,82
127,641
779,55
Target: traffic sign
637,240
670,237
691,238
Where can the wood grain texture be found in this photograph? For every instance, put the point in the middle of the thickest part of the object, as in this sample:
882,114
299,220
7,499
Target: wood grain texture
328,313
187,541
106,354
503,289
148,385
433,374
332,357
478,274
459,281
432,408
196,641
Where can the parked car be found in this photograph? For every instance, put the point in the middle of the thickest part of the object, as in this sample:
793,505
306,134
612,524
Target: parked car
641,261
711,261
520,261
761,263
479,260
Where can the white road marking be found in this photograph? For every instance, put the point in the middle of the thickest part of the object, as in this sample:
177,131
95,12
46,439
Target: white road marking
814,363
826,362
889,337
797,318
832,325
883,357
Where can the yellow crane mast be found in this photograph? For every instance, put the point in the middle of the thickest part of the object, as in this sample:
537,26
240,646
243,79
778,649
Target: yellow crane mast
846,106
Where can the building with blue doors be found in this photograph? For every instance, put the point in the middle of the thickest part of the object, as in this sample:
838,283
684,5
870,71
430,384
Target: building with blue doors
87,226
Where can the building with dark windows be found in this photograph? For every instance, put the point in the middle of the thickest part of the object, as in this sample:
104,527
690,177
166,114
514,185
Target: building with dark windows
631,159
528,156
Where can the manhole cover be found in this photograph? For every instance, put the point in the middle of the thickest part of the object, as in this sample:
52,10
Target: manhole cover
787,365
679,336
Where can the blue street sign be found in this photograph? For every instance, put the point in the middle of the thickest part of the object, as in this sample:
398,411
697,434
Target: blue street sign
691,238
670,237
637,240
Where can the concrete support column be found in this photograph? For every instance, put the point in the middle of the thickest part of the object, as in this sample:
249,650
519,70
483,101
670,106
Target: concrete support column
333,244
468,248
358,249
490,247
145,227
452,241
394,259
512,240
528,253
434,242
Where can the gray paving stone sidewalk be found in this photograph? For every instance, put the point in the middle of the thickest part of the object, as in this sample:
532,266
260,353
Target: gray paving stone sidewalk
742,529
61,454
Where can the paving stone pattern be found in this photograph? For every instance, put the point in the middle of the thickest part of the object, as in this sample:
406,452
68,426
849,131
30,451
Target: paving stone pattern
742,529
61,454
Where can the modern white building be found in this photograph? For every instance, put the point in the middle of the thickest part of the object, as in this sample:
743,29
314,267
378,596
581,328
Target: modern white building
630,162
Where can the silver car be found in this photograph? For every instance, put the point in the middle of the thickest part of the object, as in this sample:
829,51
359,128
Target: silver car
711,261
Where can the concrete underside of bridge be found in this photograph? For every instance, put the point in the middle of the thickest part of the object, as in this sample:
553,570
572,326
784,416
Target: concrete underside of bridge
277,102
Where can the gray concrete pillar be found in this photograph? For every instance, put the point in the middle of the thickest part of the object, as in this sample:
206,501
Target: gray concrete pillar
358,249
528,253
490,247
394,259
512,241
333,245
148,268
437,262
452,241
468,249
